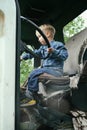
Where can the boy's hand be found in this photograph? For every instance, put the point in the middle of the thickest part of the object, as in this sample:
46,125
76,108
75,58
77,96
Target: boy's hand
50,50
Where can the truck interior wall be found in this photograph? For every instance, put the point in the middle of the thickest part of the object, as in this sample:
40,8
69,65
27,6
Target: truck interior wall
77,50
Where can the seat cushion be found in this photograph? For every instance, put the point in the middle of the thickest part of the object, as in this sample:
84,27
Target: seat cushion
47,78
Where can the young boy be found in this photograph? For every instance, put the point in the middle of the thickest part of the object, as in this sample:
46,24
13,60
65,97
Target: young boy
53,64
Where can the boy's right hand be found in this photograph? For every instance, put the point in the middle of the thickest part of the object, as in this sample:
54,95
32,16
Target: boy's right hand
50,50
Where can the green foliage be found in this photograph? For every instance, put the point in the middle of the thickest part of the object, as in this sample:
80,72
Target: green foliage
74,27
25,68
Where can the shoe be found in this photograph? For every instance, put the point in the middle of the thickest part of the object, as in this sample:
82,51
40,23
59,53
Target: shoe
28,100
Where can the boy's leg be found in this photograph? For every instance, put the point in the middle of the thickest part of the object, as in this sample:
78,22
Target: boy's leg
33,87
31,96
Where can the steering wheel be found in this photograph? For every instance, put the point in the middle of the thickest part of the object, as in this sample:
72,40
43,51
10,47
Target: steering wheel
43,35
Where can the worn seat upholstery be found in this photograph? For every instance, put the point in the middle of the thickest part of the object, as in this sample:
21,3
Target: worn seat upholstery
49,83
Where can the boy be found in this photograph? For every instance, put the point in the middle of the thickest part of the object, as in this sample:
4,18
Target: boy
53,64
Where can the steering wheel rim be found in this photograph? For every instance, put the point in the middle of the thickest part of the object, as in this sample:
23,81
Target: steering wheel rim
40,31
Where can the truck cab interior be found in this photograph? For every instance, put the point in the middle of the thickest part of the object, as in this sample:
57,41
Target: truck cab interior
13,30
58,13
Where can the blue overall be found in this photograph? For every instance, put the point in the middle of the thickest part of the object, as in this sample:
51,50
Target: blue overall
51,65
33,78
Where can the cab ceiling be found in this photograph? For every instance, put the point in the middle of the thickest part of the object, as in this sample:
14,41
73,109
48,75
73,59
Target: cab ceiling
56,12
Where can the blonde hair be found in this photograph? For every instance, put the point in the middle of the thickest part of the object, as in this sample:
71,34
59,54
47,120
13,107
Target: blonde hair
48,27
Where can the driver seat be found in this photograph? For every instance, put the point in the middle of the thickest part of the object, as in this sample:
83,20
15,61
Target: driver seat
49,83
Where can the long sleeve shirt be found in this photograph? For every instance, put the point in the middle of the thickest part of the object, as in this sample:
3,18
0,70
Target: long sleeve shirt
56,58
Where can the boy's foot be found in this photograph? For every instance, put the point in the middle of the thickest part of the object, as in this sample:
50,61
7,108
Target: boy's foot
27,102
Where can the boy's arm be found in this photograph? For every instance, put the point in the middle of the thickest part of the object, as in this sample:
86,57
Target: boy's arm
60,52
26,56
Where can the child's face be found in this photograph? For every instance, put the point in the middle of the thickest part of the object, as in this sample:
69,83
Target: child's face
40,38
